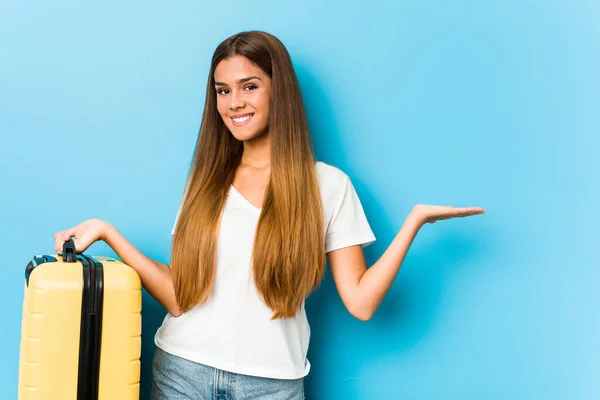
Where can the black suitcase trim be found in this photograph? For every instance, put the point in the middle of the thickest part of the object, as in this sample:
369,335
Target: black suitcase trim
91,329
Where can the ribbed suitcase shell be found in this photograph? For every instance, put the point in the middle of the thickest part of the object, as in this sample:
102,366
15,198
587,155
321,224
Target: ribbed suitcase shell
48,367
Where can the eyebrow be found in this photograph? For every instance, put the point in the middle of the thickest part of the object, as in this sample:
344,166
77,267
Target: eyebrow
243,80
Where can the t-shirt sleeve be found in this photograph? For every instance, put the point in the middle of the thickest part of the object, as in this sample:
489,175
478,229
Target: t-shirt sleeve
348,225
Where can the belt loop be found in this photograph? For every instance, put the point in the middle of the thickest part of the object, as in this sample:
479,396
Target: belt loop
215,384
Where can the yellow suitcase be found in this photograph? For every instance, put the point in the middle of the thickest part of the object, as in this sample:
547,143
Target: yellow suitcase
81,329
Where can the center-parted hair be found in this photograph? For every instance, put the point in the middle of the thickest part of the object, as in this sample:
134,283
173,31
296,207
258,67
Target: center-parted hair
288,257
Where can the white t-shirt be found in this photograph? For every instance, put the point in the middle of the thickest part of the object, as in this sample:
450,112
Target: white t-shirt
233,330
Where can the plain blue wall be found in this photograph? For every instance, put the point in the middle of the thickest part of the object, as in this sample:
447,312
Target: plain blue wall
458,103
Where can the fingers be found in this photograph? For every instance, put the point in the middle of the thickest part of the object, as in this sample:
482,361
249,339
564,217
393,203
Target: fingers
476,210
462,212
58,243
465,212
70,233
61,237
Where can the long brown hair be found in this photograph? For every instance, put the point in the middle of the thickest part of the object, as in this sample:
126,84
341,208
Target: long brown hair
288,258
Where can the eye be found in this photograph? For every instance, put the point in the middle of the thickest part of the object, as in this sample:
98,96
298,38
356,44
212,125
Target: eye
250,87
222,91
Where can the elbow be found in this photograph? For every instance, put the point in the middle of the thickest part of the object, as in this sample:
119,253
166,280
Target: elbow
174,310
363,317
361,313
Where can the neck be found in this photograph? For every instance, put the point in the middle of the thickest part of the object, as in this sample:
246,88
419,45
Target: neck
257,152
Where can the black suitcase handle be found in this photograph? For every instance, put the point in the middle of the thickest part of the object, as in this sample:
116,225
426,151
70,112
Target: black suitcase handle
68,253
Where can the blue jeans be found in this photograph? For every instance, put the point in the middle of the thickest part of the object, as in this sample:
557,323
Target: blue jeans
175,378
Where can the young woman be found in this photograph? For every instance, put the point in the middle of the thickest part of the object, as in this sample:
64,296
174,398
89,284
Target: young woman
258,219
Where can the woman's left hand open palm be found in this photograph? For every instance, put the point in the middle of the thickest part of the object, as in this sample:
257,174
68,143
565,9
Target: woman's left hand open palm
430,214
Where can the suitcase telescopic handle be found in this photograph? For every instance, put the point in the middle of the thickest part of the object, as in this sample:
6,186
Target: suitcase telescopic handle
68,253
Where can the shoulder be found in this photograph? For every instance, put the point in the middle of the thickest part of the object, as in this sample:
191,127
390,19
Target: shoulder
331,178
333,184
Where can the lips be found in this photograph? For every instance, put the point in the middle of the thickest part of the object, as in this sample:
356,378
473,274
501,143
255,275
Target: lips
241,119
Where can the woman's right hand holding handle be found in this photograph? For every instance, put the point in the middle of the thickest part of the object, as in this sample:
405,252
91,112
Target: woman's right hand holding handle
84,235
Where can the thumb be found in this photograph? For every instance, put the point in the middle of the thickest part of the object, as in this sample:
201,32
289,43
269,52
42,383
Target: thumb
68,234
82,243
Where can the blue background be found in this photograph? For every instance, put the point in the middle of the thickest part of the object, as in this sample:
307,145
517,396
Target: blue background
464,103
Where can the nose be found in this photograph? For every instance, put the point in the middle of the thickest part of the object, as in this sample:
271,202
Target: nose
237,101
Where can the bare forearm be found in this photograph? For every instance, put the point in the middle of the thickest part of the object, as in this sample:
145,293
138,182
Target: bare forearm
377,280
156,277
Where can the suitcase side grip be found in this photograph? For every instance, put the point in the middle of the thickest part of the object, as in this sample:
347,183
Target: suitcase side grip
68,255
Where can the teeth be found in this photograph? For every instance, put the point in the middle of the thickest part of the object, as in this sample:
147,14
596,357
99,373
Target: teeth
246,118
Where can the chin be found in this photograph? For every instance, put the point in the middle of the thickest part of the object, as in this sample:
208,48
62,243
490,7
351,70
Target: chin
243,136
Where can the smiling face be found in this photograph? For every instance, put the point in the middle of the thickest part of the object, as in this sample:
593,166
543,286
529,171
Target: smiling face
243,97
